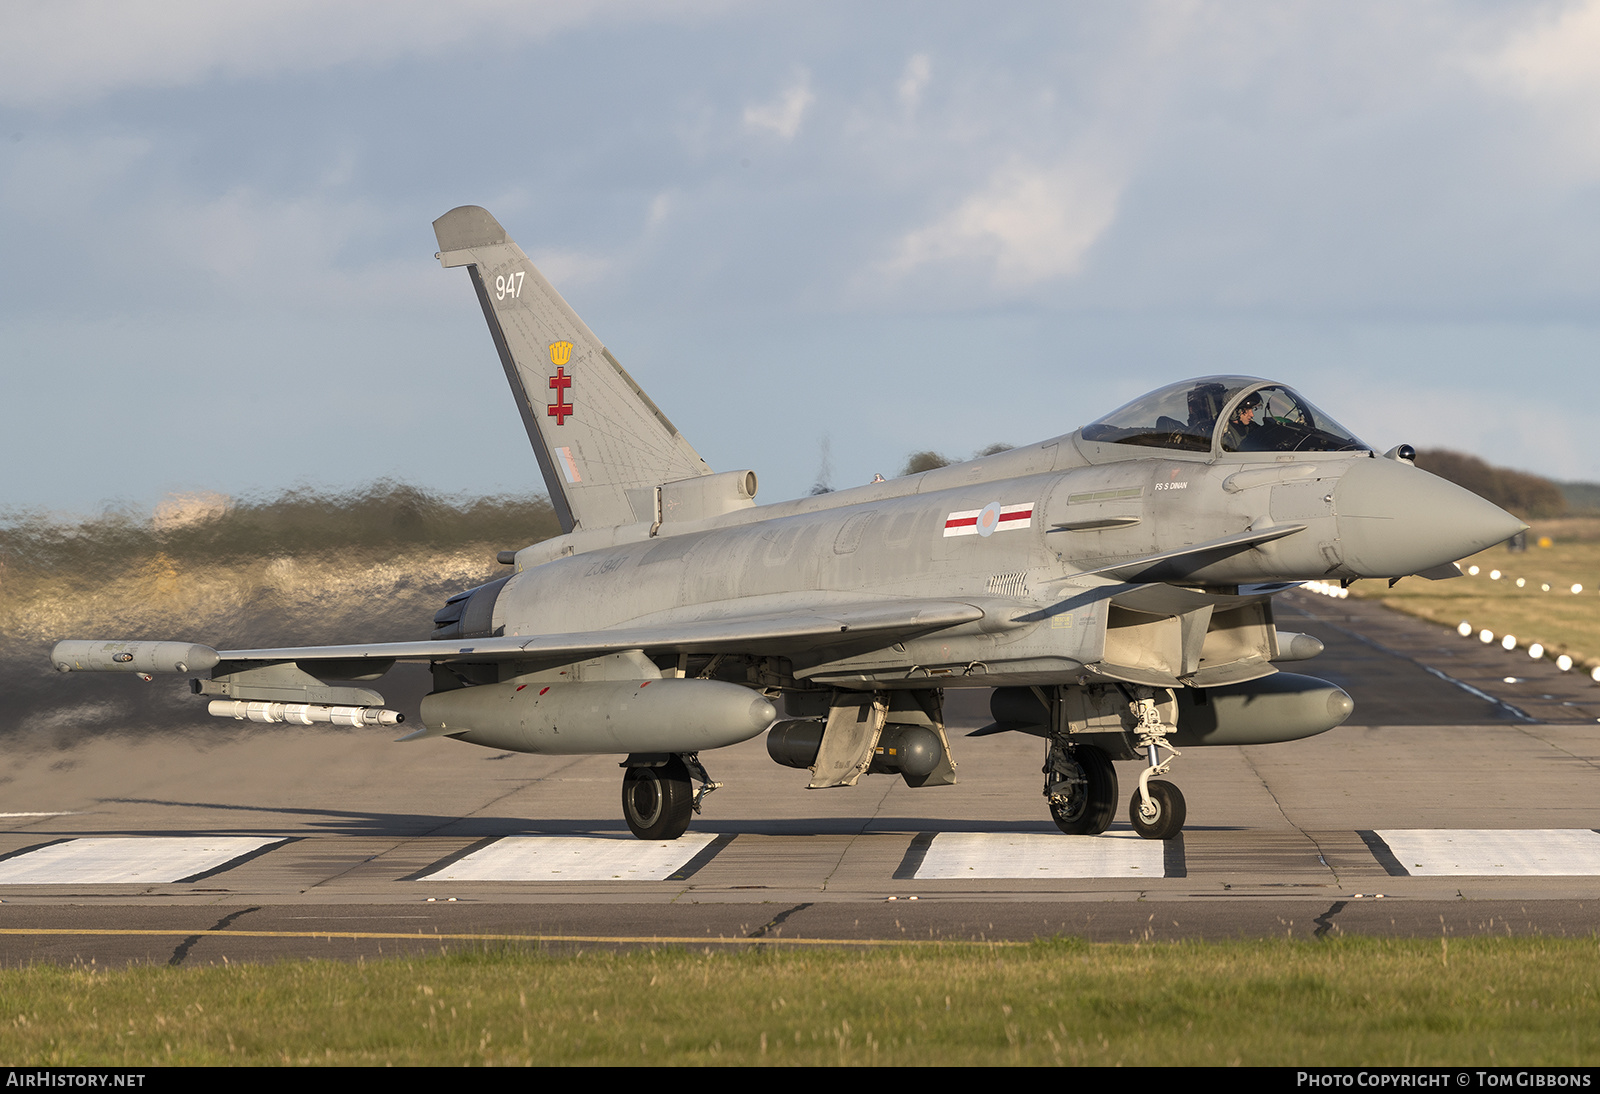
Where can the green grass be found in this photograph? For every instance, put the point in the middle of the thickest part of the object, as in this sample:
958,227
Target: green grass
1339,1002
1557,619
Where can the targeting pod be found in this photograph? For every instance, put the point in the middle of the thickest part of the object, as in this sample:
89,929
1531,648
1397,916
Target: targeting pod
913,751
795,742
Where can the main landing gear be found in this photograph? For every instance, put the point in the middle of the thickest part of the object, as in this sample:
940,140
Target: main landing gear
1081,787
657,796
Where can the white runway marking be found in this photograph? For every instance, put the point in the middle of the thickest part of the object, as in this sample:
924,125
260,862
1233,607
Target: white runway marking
991,855
1550,851
575,858
104,860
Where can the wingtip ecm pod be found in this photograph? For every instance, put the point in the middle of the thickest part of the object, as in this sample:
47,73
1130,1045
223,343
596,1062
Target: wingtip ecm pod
99,655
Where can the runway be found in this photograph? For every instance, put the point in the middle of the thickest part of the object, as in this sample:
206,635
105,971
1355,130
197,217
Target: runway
1463,797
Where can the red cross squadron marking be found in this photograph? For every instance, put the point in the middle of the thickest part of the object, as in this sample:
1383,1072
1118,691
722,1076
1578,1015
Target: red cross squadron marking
560,409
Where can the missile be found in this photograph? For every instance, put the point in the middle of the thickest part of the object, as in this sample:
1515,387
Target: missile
303,714
622,716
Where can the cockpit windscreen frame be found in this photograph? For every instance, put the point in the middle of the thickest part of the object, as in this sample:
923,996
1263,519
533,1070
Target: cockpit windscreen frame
1224,414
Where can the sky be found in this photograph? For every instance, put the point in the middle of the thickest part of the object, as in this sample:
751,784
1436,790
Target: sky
822,236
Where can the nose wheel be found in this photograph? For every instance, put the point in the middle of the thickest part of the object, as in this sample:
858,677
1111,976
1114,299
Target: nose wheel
1157,809
1162,815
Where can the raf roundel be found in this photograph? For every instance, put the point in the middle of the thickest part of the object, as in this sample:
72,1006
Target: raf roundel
992,518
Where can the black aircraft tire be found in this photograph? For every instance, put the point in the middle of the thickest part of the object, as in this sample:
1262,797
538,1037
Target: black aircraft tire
1170,811
656,801
1093,815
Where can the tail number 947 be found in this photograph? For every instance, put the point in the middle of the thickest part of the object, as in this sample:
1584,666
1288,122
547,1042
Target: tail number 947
508,285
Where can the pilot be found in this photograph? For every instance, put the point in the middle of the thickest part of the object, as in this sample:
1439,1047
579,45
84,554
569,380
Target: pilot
1241,423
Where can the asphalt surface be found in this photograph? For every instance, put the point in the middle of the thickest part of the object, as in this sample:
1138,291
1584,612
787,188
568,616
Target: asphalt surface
1461,798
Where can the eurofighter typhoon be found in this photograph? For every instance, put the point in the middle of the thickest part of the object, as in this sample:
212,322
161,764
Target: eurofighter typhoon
1113,586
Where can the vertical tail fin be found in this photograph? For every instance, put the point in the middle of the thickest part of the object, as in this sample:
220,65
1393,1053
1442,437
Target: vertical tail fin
602,445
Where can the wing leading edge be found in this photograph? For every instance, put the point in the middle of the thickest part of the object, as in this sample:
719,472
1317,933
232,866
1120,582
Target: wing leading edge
756,634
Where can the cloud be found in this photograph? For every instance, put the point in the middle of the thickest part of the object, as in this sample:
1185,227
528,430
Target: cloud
1556,56
106,210
242,231
566,268
1485,419
919,70
60,177
1027,225
64,51
1550,66
783,115
296,251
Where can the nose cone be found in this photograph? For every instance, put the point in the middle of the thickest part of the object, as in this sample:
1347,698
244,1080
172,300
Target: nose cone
1396,520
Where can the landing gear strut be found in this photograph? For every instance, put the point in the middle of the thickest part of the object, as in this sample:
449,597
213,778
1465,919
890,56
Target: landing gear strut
1081,787
1157,809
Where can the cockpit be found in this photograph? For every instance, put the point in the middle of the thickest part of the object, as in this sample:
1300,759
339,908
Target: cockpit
1224,414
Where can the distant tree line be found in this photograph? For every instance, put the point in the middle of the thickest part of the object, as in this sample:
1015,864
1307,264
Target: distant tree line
1517,492
1582,497
366,523
918,462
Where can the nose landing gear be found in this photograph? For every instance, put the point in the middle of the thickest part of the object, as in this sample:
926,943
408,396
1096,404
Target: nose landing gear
1157,810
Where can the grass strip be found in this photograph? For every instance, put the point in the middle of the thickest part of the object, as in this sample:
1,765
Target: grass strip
1561,621
1345,1001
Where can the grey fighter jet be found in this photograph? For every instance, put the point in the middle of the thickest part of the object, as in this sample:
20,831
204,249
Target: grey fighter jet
1113,586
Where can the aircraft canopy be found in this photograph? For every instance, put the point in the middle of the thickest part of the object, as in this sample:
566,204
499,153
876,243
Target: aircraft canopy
1224,414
